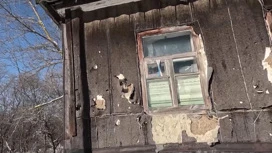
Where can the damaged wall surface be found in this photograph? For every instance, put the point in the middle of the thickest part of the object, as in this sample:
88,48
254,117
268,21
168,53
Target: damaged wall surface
235,41
173,128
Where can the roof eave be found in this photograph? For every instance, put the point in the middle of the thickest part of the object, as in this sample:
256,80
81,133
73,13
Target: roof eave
50,11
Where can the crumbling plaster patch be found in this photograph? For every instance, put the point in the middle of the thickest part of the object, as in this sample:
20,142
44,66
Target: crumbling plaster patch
100,102
168,128
267,63
199,126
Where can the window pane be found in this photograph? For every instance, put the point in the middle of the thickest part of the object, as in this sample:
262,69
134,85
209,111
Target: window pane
156,68
166,44
189,90
159,94
187,65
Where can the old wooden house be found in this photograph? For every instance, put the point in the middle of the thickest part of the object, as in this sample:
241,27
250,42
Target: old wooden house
166,75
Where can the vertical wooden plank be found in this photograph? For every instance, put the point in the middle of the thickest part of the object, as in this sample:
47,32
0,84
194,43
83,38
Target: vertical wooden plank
243,126
119,131
65,80
77,69
263,128
183,13
221,55
77,141
137,134
101,132
123,61
251,51
137,19
106,132
152,19
97,54
123,131
81,89
94,135
108,24
168,13
246,127
152,14
147,129
111,132
70,110
227,133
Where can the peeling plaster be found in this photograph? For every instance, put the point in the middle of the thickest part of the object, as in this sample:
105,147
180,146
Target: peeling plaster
207,70
100,102
117,123
199,126
168,128
127,89
267,63
203,57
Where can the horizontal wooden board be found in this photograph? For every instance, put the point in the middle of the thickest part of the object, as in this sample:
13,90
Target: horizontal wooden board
194,148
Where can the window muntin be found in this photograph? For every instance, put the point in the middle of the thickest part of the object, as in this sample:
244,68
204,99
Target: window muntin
172,73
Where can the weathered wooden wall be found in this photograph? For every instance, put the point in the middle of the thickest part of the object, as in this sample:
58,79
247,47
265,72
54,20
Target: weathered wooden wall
234,37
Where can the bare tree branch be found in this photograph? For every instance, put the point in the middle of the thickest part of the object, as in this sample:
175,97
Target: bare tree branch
42,25
7,145
51,101
30,29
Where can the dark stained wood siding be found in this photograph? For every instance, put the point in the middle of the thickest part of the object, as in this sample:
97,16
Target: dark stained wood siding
252,39
234,37
246,127
234,50
123,60
227,85
127,133
97,54
235,40
183,14
168,13
227,53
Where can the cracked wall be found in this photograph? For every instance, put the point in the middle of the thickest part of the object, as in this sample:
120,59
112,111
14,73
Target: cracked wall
169,128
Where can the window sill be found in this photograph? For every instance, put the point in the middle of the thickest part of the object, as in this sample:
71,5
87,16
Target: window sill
186,109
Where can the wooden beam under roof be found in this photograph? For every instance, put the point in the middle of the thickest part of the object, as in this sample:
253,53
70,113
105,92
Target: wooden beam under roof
95,5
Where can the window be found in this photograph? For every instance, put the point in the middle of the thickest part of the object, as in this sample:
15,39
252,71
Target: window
170,71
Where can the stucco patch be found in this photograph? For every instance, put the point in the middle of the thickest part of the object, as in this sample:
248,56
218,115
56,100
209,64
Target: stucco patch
168,128
267,63
202,125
